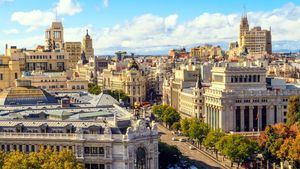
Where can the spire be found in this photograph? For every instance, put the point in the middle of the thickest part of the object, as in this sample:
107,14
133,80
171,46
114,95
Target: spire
245,11
199,82
87,32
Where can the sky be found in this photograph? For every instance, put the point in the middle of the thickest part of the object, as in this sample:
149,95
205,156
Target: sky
148,26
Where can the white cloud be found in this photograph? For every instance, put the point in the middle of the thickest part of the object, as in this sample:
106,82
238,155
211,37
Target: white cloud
68,7
171,21
149,32
11,31
33,19
105,3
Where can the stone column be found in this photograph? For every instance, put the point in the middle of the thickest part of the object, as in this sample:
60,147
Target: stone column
270,114
259,111
251,118
233,124
242,108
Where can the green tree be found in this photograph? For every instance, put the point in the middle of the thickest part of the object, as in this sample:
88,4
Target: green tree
198,131
93,88
2,158
237,148
159,110
212,138
15,160
168,155
119,94
170,116
176,126
293,114
185,126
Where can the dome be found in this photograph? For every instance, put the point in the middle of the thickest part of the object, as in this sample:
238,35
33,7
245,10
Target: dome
133,65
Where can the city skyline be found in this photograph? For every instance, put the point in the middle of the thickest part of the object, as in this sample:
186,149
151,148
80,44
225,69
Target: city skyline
146,27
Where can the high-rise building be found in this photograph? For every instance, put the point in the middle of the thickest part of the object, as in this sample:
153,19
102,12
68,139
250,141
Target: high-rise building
74,50
54,36
256,41
87,46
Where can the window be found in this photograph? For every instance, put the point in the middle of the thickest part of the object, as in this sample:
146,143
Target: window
16,75
1,76
284,106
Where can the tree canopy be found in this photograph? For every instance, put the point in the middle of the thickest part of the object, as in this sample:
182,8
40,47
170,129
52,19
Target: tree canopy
42,159
93,88
293,114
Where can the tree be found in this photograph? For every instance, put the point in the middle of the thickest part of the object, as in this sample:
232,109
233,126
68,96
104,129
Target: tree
15,160
185,126
93,88
2,158
176,126
119,94
168,155
271,139
159,110
212,138
293,114
237,148
198,130
170,116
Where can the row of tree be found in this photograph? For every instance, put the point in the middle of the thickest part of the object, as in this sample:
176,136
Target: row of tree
42,159
237,148
166,114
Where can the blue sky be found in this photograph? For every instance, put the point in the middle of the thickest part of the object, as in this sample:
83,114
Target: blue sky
147,26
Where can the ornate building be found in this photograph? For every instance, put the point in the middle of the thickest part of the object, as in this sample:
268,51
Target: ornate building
101,134
184,91
87,46
206,52
74,50
131,80
239,100
54,37
256,41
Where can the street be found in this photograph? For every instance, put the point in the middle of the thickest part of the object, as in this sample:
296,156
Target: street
196,156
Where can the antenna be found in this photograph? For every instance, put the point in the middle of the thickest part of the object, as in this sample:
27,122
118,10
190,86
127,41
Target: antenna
56,14
245,11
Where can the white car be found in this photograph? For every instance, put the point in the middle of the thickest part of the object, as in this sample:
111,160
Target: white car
182,140
192,148
174,139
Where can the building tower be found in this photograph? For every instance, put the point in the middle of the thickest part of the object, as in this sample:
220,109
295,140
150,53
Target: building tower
87,46
244,28
54,36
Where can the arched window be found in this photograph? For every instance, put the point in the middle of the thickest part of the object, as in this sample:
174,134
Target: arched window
140,161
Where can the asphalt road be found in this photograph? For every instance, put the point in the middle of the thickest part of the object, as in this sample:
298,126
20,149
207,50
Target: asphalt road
196,156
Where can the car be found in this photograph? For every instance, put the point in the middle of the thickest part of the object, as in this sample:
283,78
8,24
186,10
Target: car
192,148
182,140
174,139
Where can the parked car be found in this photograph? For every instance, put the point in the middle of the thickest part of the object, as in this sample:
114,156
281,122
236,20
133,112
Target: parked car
192,148
182,140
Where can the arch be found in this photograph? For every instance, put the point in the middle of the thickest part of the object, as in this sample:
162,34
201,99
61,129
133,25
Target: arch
141,160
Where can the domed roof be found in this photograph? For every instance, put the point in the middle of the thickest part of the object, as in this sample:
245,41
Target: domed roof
25,96
133,65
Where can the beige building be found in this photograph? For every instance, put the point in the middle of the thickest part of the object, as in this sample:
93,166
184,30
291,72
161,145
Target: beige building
37,60
87,46
256,41
54,37
206,52
184,91
239,100
9,72
55,81
130,80
74,50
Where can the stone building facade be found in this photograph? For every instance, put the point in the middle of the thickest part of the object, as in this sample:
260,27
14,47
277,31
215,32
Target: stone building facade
238,99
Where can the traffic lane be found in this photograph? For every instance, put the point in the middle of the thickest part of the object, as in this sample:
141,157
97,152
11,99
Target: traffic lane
199,159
